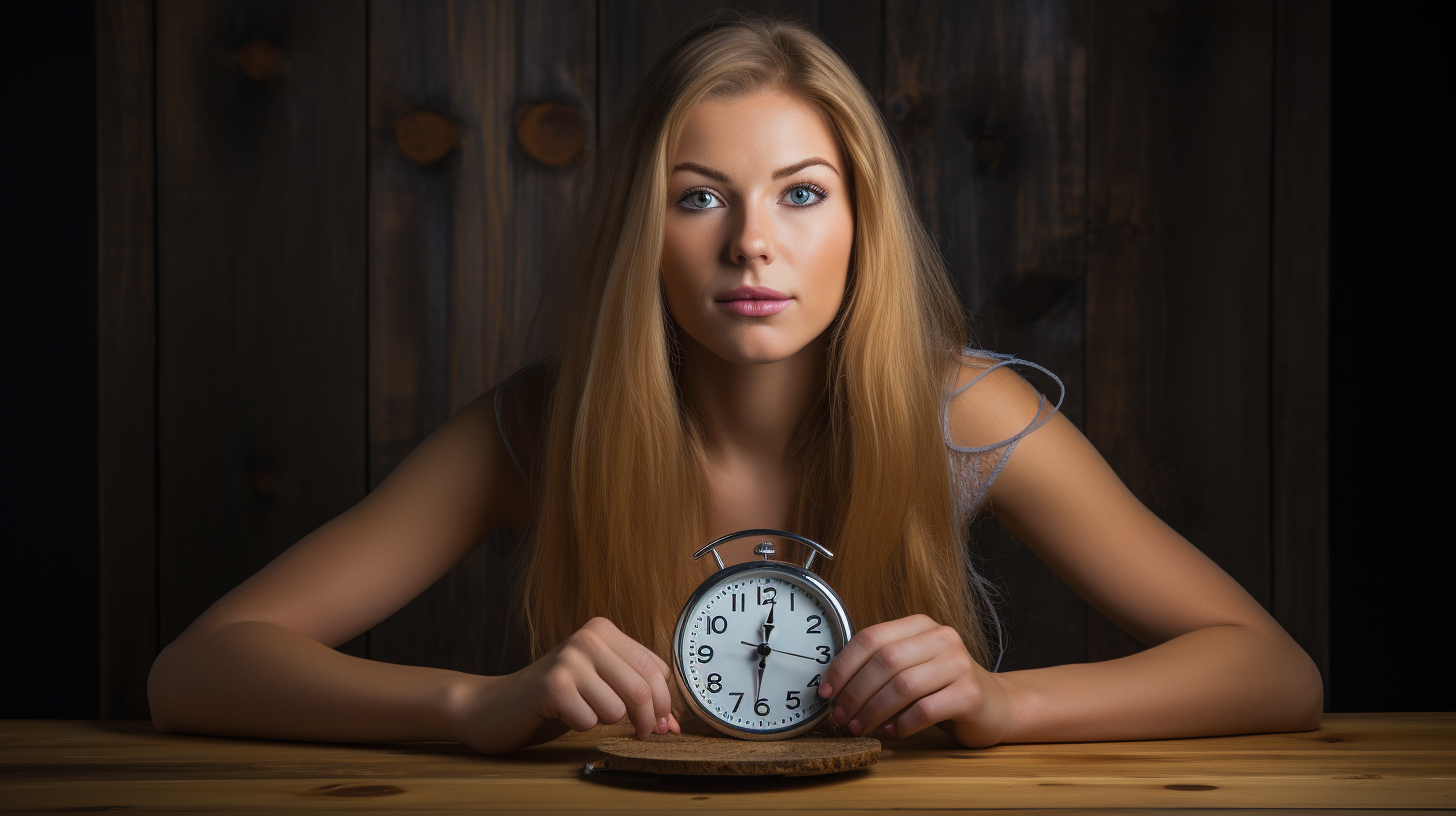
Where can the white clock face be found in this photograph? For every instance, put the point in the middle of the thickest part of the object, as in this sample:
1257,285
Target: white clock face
749,672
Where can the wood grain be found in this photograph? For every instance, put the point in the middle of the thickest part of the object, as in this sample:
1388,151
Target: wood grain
459,254
1300,300
1352,761
1178,274
989,101
126,349
261,319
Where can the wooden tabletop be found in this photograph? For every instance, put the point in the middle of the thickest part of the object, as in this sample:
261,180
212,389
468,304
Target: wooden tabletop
1354,761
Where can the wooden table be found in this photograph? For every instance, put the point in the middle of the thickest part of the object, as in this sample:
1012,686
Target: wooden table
1355,761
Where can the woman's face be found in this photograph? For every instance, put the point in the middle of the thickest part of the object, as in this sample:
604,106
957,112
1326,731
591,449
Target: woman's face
759,227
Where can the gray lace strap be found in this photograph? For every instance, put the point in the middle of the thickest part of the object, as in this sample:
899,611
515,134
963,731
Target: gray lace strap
1036,421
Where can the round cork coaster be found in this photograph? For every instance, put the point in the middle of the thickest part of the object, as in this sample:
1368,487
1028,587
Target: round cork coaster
720,756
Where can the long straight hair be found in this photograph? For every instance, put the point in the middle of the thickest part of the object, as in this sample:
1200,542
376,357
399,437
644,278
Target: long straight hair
620,491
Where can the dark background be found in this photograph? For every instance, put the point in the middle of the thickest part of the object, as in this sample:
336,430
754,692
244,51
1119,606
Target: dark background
1389,448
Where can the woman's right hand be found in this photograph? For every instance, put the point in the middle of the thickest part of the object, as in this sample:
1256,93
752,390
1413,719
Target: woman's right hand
598,675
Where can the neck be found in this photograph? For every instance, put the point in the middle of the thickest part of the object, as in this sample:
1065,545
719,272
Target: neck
751,411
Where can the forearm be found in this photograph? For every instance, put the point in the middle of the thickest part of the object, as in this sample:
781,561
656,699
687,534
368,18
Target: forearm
258,679
1218,680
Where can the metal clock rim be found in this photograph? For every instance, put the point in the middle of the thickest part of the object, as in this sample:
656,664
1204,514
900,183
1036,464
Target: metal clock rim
841,616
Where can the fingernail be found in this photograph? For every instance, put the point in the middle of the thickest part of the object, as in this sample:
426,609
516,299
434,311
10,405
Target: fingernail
661,725
889,728
825,689
839,714
854,726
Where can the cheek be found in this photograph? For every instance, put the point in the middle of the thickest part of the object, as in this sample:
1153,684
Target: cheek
685,269
823,256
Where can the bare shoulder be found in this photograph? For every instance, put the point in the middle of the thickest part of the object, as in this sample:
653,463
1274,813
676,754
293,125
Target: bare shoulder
989,404
468,459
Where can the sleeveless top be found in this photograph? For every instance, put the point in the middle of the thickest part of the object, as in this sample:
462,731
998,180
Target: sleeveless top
520,397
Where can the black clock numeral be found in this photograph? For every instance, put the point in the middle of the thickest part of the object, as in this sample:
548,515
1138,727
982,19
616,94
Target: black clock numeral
760,707
823,652
717,625
715,682
791,602
793,700
814,627
766,595
814,684
739,702
705,653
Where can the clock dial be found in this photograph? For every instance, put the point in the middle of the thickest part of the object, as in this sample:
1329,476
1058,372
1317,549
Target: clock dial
754,648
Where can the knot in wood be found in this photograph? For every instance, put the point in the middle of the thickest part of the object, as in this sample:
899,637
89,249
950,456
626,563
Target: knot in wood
265,483
986,149
424,136
261,61
550,132
898,106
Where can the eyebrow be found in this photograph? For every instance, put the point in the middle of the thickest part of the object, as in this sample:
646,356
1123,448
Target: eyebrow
778,174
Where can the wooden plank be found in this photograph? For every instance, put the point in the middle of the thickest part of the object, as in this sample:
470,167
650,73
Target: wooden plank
459,249
1355,761
261,217
1178,273
1300,296
1352,761
988,101
689,794
126,354
1405,744
634,33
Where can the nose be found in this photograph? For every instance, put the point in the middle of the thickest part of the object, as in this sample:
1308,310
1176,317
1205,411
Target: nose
752,237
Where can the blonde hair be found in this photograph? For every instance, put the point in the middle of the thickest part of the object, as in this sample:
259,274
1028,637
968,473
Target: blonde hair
620,492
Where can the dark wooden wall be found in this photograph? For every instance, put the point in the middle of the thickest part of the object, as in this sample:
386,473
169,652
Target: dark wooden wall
323,226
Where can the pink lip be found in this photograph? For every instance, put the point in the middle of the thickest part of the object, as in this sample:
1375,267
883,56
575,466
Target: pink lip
751,293
754,301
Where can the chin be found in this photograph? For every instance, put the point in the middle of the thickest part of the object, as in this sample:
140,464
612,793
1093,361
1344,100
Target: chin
756,351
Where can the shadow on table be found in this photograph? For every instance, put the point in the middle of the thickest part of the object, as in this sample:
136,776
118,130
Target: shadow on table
672,783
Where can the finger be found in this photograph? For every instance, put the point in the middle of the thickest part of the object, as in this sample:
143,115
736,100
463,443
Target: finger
565,703
606,704
891,659
955,700
902,691
652,669
863,646
634,690
646,665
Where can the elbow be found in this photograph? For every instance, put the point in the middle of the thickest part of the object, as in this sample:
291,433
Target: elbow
162,690
1302,703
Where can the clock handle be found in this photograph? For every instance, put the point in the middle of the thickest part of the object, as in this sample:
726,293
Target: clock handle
815,548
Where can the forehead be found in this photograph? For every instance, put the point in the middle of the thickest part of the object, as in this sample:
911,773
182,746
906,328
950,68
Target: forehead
754,134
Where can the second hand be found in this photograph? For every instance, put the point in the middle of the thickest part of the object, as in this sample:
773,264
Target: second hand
781,651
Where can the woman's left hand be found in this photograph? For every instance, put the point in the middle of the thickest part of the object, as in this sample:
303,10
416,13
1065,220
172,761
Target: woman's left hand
903,675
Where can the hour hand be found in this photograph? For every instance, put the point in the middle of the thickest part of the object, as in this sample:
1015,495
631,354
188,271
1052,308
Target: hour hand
769,624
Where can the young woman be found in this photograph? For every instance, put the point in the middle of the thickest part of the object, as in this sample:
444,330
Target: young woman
764,337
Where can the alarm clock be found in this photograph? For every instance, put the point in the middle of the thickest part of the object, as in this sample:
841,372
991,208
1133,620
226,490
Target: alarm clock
753,642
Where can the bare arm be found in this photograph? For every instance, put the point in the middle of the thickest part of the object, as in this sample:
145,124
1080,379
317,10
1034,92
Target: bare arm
1218,663
261,661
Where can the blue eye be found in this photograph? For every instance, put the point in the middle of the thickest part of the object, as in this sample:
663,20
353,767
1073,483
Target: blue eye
805,196
700,200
